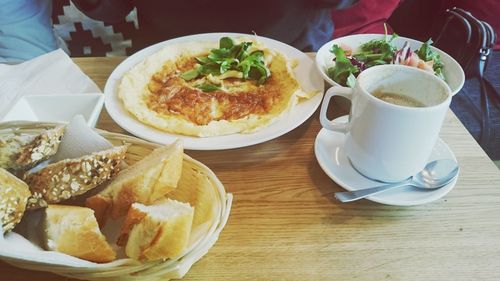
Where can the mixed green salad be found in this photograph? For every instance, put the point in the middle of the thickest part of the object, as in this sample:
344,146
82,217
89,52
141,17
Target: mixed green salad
349,65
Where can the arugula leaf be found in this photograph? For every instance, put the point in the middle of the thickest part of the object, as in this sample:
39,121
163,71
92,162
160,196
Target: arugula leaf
258,73
425,51
343,67
393,36
209,68
243,51
371,53
427,54
226,43
254,67
231,57
227,64
377,51
244,68
217,55
190,74
208,87
203,60
256,57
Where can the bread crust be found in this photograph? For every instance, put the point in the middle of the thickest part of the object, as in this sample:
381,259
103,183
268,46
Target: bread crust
149,236
101,206
74,231
71,177
14,194
134,216
146,181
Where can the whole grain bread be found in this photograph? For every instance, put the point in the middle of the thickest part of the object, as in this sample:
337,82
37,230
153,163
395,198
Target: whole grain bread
14,194
22,152
67,178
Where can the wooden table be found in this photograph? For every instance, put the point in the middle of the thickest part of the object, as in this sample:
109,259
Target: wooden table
286,225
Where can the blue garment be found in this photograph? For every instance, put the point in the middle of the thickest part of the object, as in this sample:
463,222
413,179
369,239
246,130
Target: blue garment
466,104
25,29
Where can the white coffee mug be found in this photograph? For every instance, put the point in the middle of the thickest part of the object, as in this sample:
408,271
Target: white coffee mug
384,141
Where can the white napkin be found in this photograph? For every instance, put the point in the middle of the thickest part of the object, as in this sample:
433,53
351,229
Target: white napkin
79,140
52,73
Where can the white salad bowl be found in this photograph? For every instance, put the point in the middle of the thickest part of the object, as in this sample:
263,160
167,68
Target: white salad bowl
453,72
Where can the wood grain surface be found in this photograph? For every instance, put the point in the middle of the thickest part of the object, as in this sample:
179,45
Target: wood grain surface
285,223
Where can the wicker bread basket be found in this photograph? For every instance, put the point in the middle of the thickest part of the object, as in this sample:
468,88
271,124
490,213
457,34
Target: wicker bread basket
213,208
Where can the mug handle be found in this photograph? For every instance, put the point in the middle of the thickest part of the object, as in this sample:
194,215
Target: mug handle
325,122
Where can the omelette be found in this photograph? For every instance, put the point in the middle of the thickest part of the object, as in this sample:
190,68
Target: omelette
162,91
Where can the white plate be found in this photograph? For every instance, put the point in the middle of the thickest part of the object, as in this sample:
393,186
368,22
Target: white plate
305,72
329,150
453,72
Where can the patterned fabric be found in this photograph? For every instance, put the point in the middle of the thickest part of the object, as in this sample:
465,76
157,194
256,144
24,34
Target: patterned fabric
82,36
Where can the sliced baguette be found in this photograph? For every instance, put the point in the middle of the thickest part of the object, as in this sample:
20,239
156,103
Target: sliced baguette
64,179
14,194
22,152
146,181
158,231
74,231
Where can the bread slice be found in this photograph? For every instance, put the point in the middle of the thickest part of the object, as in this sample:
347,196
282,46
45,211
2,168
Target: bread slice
146,181
14,194
64,179
74,231
157,231
22,152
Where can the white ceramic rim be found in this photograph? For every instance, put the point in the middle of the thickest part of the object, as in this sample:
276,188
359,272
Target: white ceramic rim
324,51
364,91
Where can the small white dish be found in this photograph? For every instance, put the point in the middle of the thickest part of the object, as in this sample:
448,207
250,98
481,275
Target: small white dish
305,72
330,153
57,108
453,72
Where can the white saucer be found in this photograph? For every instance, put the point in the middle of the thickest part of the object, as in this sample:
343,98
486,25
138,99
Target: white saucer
329,150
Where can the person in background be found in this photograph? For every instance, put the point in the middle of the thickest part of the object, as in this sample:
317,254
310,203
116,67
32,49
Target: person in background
366,16
25,29
304,24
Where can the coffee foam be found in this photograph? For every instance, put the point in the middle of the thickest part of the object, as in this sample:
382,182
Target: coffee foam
397,99
407,83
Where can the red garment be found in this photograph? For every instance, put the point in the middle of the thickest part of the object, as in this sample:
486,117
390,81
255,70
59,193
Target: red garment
366,16
485,10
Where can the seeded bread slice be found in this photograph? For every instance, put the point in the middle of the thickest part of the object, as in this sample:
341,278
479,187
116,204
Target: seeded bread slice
14,195
67,178
22,152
